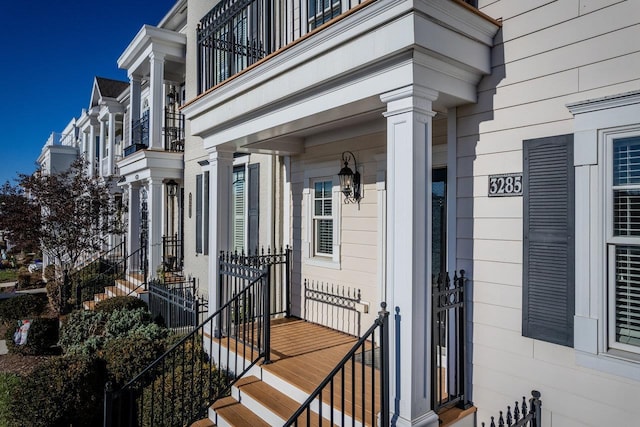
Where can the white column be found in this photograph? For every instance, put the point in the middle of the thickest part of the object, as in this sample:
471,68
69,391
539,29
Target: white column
92,149
156,224
220,175
409,116
135,83
156,101
85,148
103,145
112,142
133,222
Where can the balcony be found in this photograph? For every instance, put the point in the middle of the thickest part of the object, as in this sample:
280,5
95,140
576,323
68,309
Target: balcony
139,135
236,34
173,130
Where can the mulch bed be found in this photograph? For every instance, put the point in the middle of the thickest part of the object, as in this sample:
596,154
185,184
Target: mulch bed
21,365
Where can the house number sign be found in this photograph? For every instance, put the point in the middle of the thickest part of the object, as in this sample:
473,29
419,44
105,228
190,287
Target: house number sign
505,185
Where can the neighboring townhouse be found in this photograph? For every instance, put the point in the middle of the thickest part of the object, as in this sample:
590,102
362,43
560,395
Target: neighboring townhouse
165,171
496,137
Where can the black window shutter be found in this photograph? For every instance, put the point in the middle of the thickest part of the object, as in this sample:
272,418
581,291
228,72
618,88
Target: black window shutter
199,213
253,209
549,255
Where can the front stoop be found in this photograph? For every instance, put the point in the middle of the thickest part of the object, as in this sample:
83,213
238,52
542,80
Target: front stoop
131,285
456,417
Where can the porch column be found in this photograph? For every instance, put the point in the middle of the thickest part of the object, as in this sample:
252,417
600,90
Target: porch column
409,115
103,145
92,149
220,175
156,81
135,83
111,143
156,207
133,224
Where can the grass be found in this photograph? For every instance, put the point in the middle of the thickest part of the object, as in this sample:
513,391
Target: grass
8,384
8,275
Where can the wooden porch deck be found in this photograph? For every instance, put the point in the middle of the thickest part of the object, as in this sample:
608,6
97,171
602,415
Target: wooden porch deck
304,353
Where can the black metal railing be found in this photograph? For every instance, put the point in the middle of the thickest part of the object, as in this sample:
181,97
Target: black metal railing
335,307
139,134
279,265
356,391
236,34
93,277
172,255
175,305
173,130
449,342
104,271
522,416
178,387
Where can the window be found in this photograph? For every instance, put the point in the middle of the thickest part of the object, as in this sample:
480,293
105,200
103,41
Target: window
322,218
624,242
607,238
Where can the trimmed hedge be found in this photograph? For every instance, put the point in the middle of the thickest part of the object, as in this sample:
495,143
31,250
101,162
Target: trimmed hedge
41,338
120,303
79,330
126,357
22,307
62,391
8,389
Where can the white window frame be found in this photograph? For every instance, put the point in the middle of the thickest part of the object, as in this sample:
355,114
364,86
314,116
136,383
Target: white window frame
596,123
317,218
311,257
608,138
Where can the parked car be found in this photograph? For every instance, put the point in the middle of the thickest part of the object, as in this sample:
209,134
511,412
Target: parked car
36,265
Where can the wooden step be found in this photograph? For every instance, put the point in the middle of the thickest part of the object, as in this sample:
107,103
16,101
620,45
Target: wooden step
234,414
271,399
458,417
205,422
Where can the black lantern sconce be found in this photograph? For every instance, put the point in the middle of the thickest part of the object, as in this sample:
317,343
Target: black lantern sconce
172,188
350,180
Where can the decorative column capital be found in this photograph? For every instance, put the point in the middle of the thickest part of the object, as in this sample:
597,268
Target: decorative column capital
412,98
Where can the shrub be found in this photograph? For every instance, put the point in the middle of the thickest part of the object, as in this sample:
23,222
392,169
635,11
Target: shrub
54,289
119,303
62,391
79,327
22,307
126,357
41,339
50,272
187,392
8,385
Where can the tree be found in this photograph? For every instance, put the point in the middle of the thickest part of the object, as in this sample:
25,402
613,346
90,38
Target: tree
76,213
19,218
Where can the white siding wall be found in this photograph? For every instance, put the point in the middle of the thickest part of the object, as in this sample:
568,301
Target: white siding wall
548,54
359,225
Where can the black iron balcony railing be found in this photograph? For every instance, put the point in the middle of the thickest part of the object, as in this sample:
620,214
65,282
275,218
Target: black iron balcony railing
139,134
173,130
236,34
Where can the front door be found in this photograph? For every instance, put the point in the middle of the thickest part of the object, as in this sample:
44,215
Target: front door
439,221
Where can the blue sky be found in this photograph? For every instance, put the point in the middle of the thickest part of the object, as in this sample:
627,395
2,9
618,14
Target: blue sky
51,51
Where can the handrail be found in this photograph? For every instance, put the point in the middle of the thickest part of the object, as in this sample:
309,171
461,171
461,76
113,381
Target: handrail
91,274
380,323
178,387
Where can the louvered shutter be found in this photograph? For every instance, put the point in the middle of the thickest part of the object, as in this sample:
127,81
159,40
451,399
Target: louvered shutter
254,206
238,208
548,259
199,213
